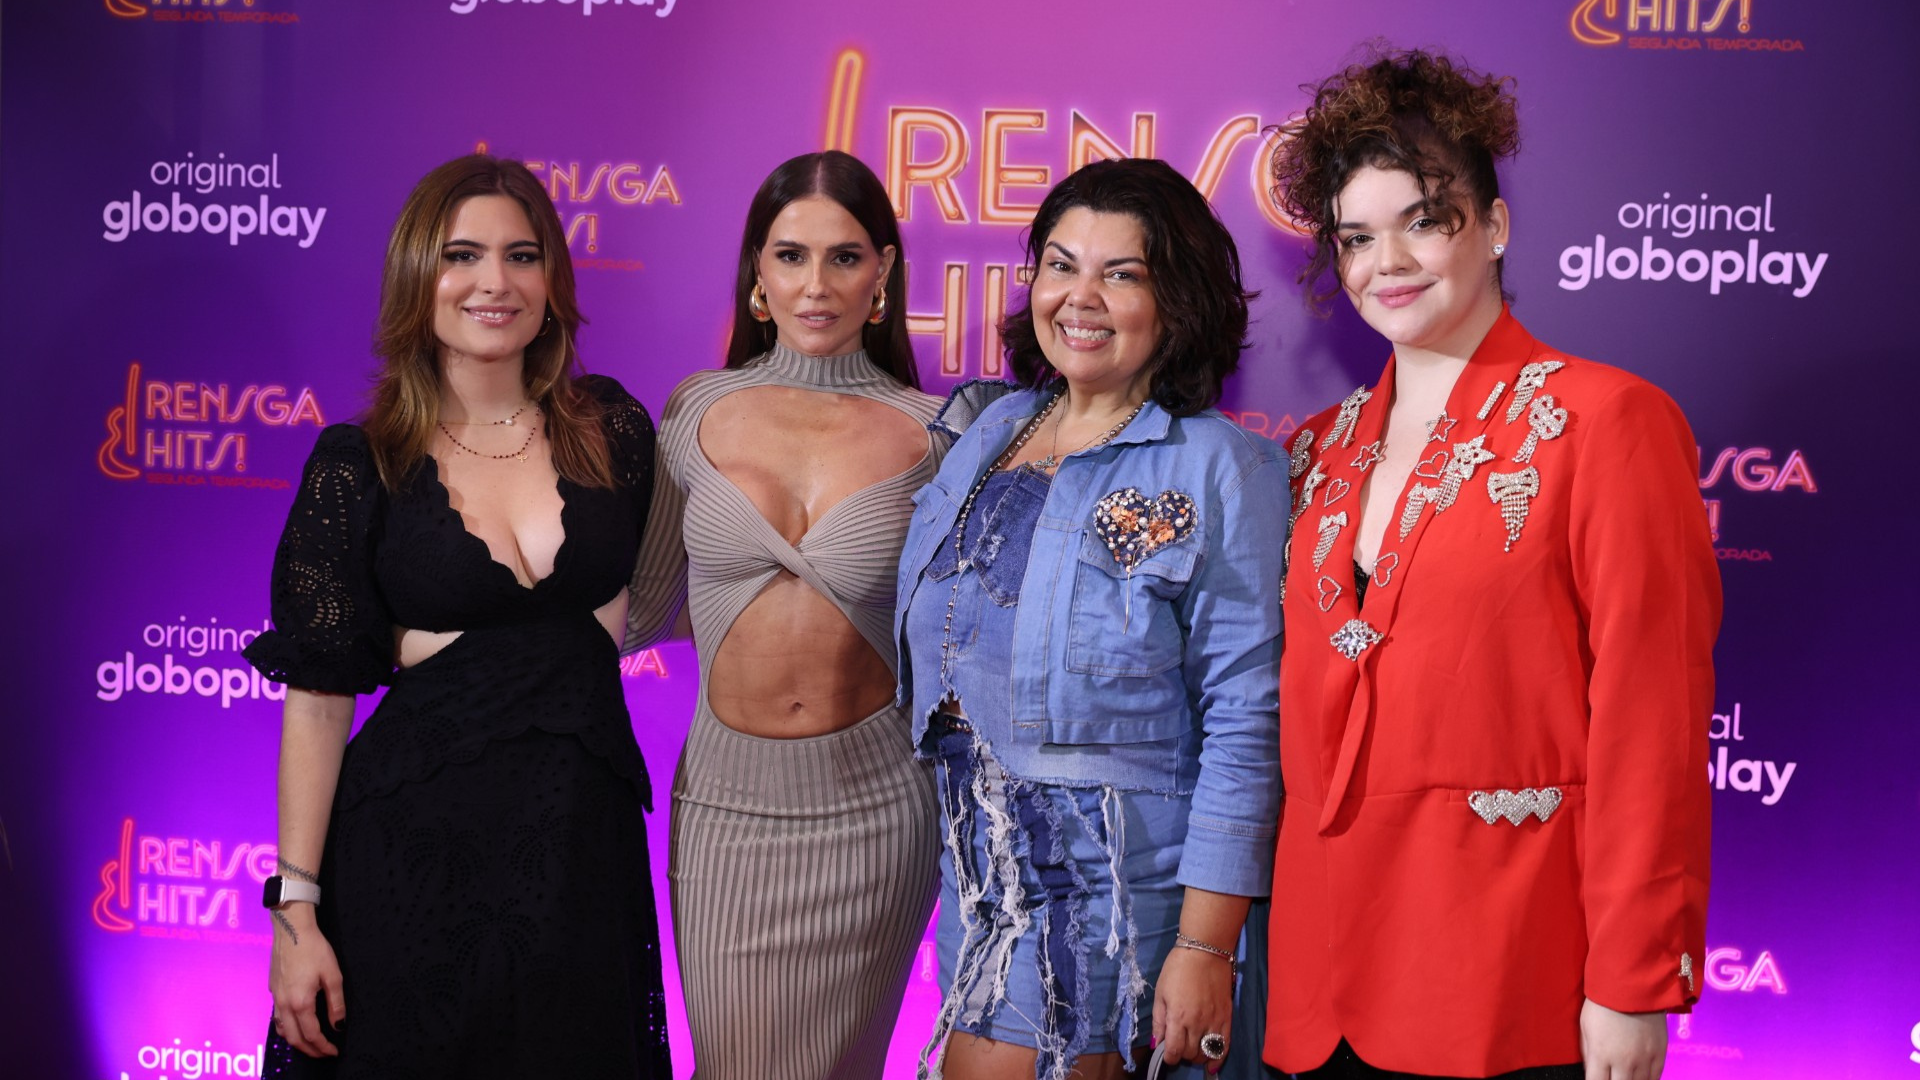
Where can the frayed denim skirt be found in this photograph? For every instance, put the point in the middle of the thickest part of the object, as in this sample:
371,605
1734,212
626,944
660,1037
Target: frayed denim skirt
1058,906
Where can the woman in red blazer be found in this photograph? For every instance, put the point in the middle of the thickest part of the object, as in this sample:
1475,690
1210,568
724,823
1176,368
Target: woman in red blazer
1500,610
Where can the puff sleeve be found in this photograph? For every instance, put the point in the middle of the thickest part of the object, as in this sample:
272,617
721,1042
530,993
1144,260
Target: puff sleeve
630,439
331,632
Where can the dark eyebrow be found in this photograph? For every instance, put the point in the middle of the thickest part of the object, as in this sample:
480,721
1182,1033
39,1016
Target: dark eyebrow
1124,260
476,245
1411,208
795,245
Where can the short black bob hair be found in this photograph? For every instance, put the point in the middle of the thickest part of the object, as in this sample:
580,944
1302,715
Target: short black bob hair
1192,265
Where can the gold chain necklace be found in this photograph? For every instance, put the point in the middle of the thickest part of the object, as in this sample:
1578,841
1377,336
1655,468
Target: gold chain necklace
520,454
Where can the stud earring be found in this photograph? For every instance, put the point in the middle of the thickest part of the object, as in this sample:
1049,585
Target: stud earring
1499,250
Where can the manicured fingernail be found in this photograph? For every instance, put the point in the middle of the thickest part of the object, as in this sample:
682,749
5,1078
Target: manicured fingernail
1153,1042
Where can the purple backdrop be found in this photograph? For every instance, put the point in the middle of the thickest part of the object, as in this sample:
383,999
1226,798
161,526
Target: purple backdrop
197,194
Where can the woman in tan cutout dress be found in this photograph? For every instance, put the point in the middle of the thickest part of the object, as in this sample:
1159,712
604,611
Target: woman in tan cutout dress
804,845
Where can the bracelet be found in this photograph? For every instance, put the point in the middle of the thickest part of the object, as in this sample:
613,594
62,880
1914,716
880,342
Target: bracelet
1182,941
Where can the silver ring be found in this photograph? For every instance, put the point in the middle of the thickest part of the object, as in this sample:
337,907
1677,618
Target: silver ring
1214,1045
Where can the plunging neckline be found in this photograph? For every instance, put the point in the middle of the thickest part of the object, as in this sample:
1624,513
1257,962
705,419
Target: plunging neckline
820,375
486,550
734,491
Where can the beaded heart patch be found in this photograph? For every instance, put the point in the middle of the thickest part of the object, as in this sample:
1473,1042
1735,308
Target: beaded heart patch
1133,526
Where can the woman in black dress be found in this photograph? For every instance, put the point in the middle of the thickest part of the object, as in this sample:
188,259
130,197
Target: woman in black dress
467,878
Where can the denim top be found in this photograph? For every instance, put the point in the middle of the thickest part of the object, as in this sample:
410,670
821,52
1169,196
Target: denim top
1154,673
973,661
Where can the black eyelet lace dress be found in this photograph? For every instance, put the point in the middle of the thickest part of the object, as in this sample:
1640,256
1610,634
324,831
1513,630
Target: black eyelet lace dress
485,877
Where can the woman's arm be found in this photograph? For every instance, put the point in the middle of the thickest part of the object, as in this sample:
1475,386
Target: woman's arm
331,640
313,736
1645,573
1194,994
1232,611
657,601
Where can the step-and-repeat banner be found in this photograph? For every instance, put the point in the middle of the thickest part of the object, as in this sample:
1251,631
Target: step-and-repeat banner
1712,193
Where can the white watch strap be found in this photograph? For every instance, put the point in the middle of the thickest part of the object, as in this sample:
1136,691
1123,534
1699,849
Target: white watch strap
293,890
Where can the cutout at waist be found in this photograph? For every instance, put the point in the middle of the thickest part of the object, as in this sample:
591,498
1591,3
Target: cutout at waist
411,647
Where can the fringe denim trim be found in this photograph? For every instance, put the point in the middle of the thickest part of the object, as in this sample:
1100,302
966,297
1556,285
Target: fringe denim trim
1025,829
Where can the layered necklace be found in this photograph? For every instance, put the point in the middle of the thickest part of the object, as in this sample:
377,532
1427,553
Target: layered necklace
520,454
1042,465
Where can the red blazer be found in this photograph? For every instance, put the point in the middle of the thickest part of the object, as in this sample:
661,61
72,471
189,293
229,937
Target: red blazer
1556,646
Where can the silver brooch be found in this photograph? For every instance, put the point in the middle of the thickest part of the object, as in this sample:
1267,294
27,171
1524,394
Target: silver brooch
1307,488
1368,455
1383,567
1515,806
1543,422
1342,430
1417,497
1440,428
1514,492
1532,378
1302,454
1330,591
1686,972
1467,456
1492,396
1336,490
1354,638
1330,526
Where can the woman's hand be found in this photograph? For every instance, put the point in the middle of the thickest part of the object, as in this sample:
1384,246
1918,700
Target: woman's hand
1193,997
304,965
1622,1046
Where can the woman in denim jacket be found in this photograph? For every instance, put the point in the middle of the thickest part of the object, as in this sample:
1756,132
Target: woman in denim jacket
1090,640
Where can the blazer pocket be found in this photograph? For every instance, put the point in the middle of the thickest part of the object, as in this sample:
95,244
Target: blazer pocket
1123,623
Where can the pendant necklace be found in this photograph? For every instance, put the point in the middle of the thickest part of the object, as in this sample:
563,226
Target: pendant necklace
1052,460
1040,465
520,454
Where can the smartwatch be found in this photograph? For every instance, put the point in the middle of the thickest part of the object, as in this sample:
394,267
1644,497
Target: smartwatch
283,890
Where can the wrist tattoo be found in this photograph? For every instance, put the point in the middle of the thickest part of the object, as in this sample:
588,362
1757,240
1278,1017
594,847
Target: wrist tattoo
287,925
291,870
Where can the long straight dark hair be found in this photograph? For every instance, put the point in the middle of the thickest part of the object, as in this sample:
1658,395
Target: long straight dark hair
846,180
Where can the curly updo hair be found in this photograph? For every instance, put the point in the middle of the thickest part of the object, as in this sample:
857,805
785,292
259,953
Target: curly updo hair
1192,266
1420,112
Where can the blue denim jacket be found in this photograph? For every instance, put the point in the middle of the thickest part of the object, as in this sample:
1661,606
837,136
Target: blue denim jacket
1186,645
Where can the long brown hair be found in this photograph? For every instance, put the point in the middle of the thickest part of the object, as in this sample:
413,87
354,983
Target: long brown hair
846,180
406,394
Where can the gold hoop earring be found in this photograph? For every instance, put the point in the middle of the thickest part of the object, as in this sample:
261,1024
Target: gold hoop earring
757,304
879,313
